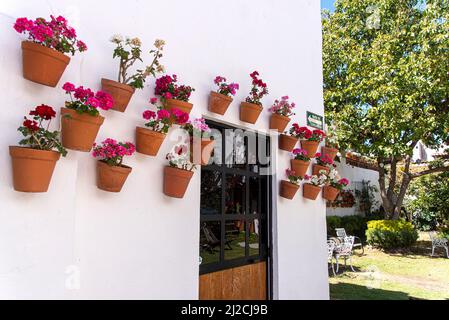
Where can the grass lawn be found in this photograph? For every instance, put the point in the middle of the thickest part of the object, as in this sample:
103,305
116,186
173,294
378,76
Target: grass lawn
402,275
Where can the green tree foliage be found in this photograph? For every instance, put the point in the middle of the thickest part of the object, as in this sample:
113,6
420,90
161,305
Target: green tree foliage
386,84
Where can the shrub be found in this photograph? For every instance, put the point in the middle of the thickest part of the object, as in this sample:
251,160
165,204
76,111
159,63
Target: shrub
354,225
390,234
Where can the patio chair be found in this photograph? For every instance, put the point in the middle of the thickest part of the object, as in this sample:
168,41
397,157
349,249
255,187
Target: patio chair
330,254
211,240
344,251
438,242
341,234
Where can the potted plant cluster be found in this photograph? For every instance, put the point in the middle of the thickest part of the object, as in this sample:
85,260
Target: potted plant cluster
174,95
34,161
281,111
220,100
300,162
148,141
334,185
178,173
323,163
290,188
252,107
310,140
44,53
81,120
288,140
129,52
201,146
312,188
111,172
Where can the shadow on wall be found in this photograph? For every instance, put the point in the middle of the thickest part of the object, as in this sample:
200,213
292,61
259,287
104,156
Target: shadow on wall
345,291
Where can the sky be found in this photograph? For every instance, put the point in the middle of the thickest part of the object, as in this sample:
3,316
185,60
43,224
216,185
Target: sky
327,4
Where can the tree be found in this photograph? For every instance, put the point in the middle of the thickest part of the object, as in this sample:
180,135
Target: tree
386,84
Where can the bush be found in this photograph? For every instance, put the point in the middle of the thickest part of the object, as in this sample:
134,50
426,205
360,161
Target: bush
391,234
354,225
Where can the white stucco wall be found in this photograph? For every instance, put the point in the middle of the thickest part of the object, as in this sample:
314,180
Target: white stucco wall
139,243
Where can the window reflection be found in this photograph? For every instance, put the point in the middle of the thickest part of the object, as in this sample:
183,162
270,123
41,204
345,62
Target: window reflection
210,242
254,237
253,195
235,194
211,185
235,239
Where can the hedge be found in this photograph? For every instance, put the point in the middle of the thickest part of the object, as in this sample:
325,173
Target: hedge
391,234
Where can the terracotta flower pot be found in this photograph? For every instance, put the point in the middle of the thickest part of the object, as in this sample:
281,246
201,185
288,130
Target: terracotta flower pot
43,65
287,143
317,168
330,193
310,146
121,93
219,103
32,169
148,141
111,178
249,112
79,130
207,146
310,191
288,190
178,104
300,167
279,122
176,181
331,152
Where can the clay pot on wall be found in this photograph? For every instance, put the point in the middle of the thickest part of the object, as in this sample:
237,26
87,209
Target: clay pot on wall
121,93
219,103
310,191
176,181
249,112
330,193
300,167
288,190
331,152
111,178
287,142
178,104
206,148
79,130
279,122
317,168
148,141
43,65
310,146
32,169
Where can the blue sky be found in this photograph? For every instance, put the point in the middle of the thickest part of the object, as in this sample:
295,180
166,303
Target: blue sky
327,4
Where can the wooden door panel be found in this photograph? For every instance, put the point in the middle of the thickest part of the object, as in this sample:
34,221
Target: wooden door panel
242,283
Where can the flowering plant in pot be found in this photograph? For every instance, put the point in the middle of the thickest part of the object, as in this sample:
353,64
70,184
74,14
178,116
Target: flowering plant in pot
148,141
129,51
172,94
201,146
290,187
331,145
220,100
34,162
310,140
281,111
312,188
43,54
323,162
111,172
300,162
81,120
178,173
252,107
288,139
334,185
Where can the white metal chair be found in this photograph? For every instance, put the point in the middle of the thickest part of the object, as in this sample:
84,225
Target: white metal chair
438,242
344,251
341,234
330,254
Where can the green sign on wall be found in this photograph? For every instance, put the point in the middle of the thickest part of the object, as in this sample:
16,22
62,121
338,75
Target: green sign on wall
315,120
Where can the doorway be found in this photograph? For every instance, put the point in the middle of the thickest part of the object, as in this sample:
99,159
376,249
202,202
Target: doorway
235,217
